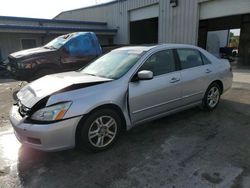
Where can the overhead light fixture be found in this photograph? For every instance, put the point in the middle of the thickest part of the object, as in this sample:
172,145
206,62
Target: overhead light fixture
173,3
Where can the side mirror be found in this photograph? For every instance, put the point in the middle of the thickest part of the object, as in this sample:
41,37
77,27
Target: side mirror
145,75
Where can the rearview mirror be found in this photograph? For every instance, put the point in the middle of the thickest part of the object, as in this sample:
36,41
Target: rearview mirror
145,75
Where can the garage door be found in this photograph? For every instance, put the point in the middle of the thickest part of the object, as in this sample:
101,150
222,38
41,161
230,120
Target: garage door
221,8
144,13
144,25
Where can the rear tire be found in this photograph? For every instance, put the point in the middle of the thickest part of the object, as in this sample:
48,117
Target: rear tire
99,130
212,97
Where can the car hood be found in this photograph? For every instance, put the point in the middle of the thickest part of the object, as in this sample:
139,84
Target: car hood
48,85
30,52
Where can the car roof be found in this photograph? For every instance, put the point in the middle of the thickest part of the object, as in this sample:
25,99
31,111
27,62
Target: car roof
135,48
145,48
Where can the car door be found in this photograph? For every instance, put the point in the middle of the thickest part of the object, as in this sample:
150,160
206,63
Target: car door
195,75
149,98
78,52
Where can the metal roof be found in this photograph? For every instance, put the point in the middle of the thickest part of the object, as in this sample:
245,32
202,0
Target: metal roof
157,46
93,6
135,48
12,18
45,28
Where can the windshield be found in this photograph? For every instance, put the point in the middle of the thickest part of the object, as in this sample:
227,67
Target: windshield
58,42
114,64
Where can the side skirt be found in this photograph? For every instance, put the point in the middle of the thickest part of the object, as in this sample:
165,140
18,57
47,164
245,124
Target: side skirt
167,113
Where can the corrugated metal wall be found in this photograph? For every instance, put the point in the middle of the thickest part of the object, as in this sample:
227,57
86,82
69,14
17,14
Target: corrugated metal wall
49,24
180,24
176,25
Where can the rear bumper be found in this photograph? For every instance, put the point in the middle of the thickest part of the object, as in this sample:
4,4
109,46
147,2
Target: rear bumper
228,81
45,137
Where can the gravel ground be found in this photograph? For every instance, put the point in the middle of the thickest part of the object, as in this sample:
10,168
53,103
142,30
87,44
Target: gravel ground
189,149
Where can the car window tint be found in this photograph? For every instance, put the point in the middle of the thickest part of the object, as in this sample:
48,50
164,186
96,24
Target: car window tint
189,58
160,63
205,59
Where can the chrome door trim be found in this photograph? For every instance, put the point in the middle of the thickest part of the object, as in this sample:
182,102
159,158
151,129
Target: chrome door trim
198,93
157,105
197,103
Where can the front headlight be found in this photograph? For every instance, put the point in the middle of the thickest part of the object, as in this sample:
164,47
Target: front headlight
51,113
23,65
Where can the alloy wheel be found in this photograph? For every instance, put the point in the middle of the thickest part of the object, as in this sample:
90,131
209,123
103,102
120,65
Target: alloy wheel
213,97
102,131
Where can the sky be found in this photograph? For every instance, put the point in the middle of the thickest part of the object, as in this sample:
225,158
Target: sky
42,8
236,32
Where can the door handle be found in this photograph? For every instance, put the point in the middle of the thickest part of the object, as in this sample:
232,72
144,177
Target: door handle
208,71
174,79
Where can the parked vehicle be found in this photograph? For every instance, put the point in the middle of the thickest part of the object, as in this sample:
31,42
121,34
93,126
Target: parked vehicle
64,53
1,66
126,87
228,53
3,72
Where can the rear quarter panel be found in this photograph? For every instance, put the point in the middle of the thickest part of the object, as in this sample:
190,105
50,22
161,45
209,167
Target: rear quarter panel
222,70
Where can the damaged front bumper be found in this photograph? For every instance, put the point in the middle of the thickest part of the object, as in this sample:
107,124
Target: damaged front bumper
46,137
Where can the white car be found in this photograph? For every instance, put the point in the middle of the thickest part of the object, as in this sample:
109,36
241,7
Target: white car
124,88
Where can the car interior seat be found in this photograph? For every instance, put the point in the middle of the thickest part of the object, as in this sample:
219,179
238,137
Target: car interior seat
163,64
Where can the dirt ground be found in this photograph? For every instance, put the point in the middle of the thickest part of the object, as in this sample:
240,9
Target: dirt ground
189,149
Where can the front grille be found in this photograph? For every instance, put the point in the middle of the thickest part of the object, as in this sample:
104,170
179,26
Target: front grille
23,110
12,64
12,59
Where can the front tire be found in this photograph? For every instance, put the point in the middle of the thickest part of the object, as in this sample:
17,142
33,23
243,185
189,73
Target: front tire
212,97
99,130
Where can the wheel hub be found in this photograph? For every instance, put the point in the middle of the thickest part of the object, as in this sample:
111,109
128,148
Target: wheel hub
102,131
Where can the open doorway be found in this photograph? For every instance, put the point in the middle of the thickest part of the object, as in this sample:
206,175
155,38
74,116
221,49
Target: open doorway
224,43
144,31
227,37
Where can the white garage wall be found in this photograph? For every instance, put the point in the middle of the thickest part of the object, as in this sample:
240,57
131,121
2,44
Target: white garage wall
220,8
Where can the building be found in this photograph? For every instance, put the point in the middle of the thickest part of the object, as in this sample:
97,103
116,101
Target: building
18,33
206,23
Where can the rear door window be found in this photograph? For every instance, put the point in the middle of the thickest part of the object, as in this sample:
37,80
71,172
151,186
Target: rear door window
189,58
206,61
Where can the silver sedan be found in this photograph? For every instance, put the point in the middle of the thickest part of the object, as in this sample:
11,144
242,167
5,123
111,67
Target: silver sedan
126,87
